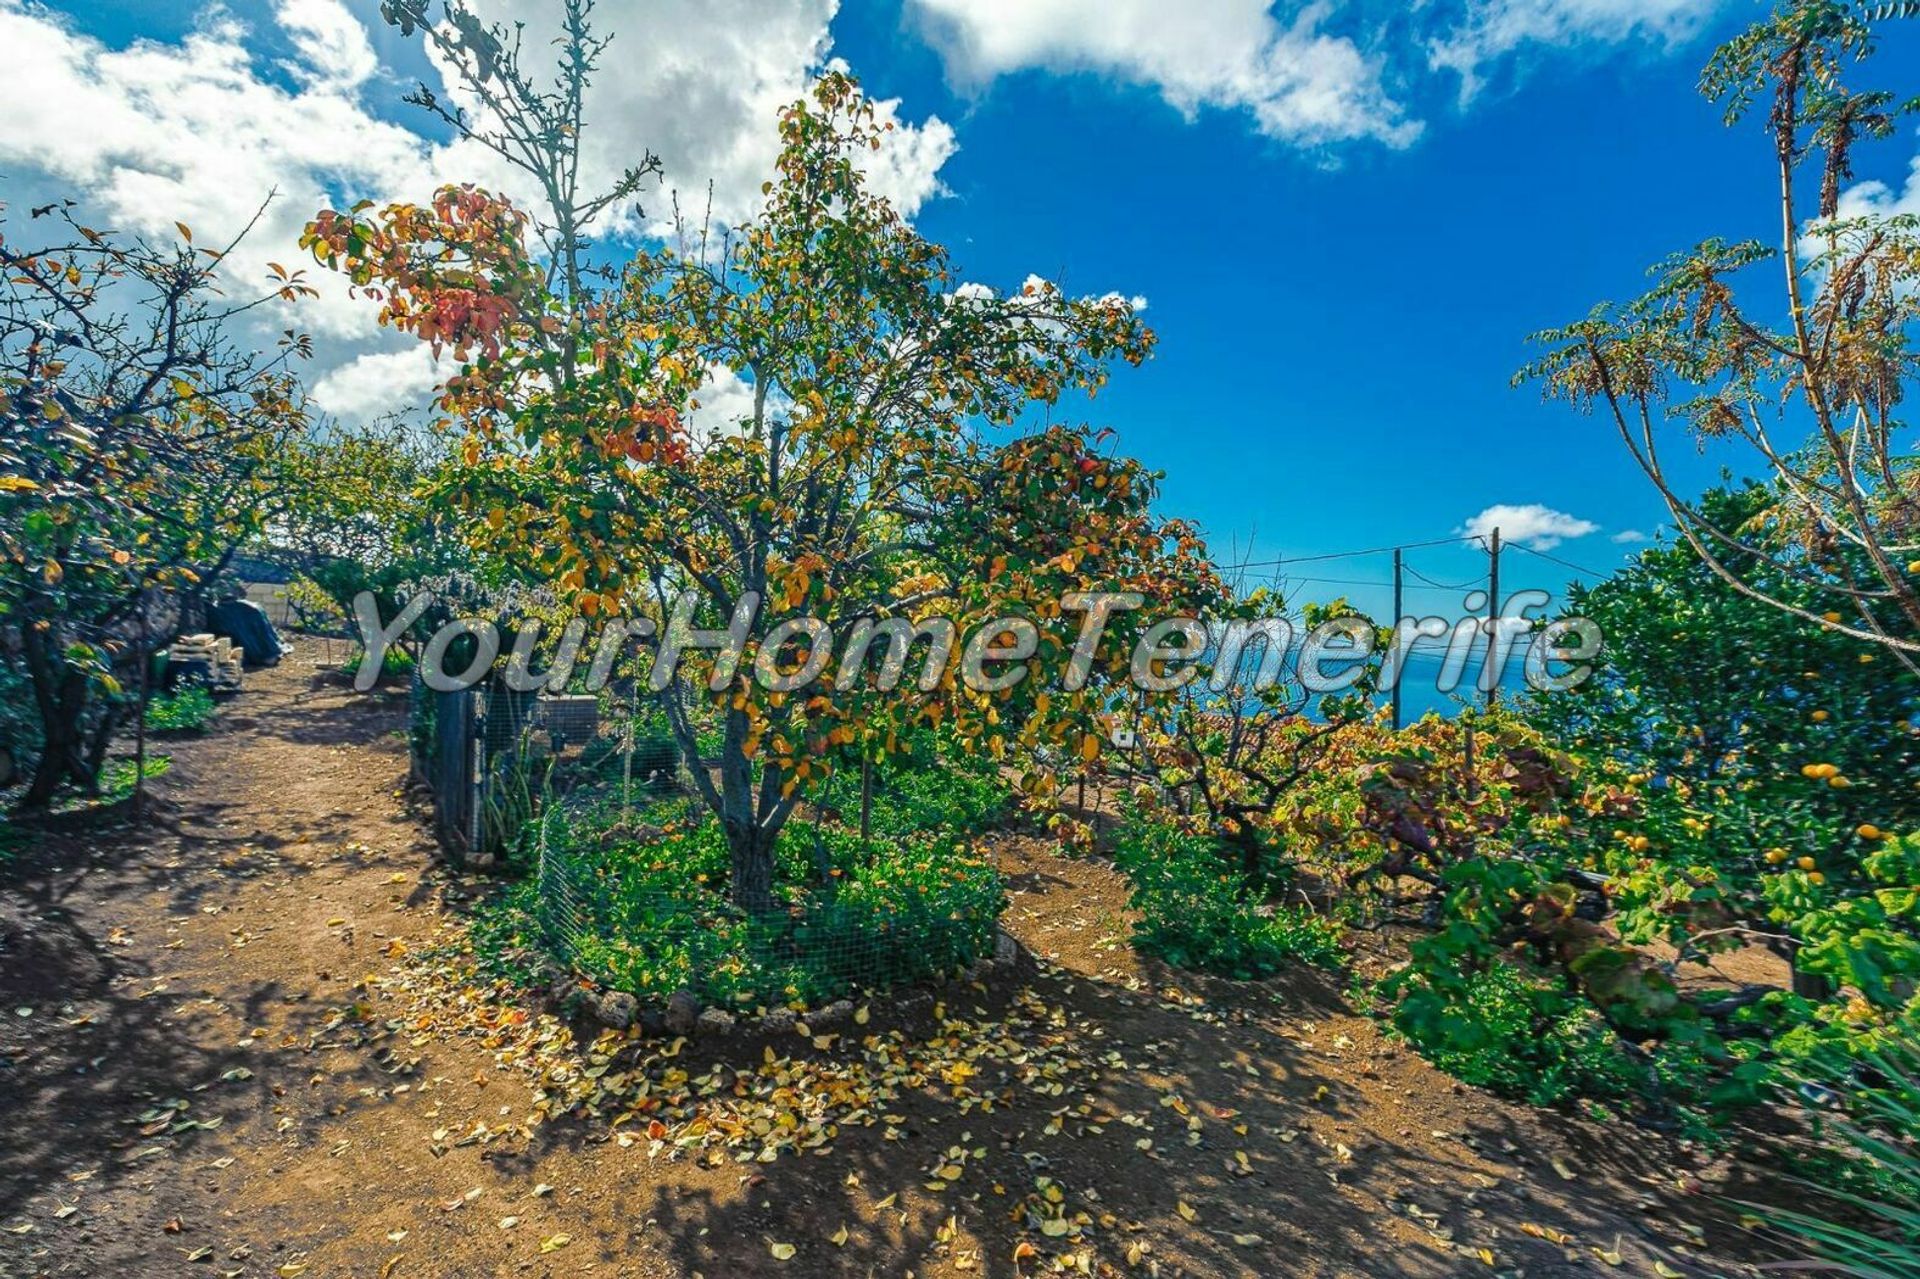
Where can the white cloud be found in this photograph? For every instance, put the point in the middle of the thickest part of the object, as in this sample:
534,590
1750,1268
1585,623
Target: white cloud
200,130
155,133
1299,84
379,382
1877,199
1629,537
1493,29
701,84
723,403
332,45
1540,527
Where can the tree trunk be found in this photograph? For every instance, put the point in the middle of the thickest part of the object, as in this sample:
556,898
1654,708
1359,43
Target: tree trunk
749,842
60,696
752,868
62,759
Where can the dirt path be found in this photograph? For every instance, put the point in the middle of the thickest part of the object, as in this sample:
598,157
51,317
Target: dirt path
198,1078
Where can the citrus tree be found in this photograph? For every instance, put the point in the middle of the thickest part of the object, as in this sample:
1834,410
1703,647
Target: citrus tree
1796,353
1770,764
860,481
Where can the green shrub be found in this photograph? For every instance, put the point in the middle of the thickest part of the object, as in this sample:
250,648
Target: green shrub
187,709
648,913
1517,1036
936,796
396,664
116,780
1195,912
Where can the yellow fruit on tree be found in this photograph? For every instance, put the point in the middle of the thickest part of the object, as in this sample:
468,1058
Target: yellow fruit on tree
1775,856
1820,717
1867,830
1838,783
1817,877
1806,863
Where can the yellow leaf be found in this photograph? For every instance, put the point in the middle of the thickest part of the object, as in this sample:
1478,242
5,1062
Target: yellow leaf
782,1251
839,1237
554,1243
1185,1209
1666,1271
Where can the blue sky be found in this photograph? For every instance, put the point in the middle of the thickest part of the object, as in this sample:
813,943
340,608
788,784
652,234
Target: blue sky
1340,304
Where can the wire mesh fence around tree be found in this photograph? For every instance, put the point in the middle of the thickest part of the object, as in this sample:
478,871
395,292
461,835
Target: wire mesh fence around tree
492,757
643,908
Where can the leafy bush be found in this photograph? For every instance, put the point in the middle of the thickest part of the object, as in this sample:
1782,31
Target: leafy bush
116,780
187,709
938,796
1517,1036
1195,911
396,664
646,912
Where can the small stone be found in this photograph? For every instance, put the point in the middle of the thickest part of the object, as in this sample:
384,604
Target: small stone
779,1021
715,1021
837,1013
1006,951
683,1011
618,1009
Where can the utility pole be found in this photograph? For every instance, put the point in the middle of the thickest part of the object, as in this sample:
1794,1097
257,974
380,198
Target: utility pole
1488,673
1399,669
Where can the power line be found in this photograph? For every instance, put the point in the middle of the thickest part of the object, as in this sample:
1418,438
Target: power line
1343,555
1472,583
1564,563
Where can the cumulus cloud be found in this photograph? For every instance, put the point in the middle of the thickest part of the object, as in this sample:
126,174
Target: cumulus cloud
1296,81
198,132
379,382
1877,199
201,129
1493,29
1534,525
700,83
1629,537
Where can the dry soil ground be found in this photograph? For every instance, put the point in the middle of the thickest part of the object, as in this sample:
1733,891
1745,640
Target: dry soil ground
183,1094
